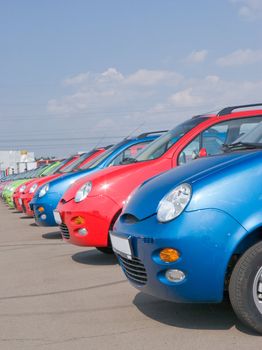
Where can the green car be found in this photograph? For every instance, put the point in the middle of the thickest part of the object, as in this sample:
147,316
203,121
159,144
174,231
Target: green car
25,177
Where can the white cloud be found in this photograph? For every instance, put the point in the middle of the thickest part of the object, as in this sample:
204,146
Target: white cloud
110,75
249,9
197,56
185,98
77,79
208,94
111,103
112,89
240,57
153,77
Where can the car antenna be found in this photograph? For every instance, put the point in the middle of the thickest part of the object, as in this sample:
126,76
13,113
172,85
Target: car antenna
133,131
99,140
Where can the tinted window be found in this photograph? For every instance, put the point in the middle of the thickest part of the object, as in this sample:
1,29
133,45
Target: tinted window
98,160
254,136
77,162
158,147
213,138
130,152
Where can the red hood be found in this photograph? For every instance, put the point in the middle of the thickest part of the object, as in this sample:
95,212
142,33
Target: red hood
119,181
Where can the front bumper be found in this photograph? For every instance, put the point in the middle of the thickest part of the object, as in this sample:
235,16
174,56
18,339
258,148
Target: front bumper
48,202
17,205
9,201
26,199
205,239
97,213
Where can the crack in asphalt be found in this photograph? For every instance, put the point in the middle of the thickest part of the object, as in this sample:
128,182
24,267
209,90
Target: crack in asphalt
96,336
11,249
30,244
63,291
64,312
72,339
21,339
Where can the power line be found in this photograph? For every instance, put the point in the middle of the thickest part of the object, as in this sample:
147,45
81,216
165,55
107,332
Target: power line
63,139
121,112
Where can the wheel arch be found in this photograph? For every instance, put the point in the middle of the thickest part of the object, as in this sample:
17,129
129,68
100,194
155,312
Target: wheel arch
252,237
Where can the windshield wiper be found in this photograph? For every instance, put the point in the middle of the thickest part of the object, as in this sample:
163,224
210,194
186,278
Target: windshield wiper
128,161
241,145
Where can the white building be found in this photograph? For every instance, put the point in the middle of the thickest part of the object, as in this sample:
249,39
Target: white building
17,161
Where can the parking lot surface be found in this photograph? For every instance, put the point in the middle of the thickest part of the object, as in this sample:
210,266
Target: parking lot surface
57,296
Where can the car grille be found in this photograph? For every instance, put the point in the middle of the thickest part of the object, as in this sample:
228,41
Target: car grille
64,231
134,269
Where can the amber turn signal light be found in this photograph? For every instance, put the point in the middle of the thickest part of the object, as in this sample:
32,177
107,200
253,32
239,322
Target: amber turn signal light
79,220
169,255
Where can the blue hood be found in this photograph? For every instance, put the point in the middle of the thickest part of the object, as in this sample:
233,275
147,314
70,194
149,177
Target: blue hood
62,183
145,200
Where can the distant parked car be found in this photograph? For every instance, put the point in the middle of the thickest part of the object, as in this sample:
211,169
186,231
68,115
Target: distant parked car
26,192
25,177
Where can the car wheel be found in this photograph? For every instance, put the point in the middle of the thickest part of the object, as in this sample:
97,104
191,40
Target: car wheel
105,250
245,288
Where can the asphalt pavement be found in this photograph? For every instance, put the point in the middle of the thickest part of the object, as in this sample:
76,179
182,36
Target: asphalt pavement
57,296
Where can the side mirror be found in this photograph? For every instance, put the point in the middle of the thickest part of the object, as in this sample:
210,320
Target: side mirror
202,153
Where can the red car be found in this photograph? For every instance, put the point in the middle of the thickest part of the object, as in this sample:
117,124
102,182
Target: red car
26,193
90,207
59,169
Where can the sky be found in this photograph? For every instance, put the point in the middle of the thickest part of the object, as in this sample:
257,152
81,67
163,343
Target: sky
75,74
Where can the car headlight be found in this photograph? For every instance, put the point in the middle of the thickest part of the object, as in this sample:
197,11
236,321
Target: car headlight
43,190
174,203
83,192
33,188
22,188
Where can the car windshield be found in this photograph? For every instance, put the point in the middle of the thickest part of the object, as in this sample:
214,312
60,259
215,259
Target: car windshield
36,172
254,136
57,167
253,139
74,165
98,160
158,147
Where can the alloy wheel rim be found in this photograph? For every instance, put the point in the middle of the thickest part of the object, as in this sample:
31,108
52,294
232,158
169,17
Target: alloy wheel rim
257,290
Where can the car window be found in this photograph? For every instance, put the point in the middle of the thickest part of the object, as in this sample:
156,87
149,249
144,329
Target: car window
190,152
247,127
161,145
213,138
130,152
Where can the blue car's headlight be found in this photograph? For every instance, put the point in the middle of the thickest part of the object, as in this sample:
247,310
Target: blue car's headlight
83,192
43,190
174,203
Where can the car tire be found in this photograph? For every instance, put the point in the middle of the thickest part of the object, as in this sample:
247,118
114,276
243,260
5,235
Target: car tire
105,250
245,288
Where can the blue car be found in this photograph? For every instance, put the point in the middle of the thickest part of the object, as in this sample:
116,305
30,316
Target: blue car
47,197
195,232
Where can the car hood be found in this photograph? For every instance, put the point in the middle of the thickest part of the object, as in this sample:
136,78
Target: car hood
117,182
61,183
146,198
40,181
